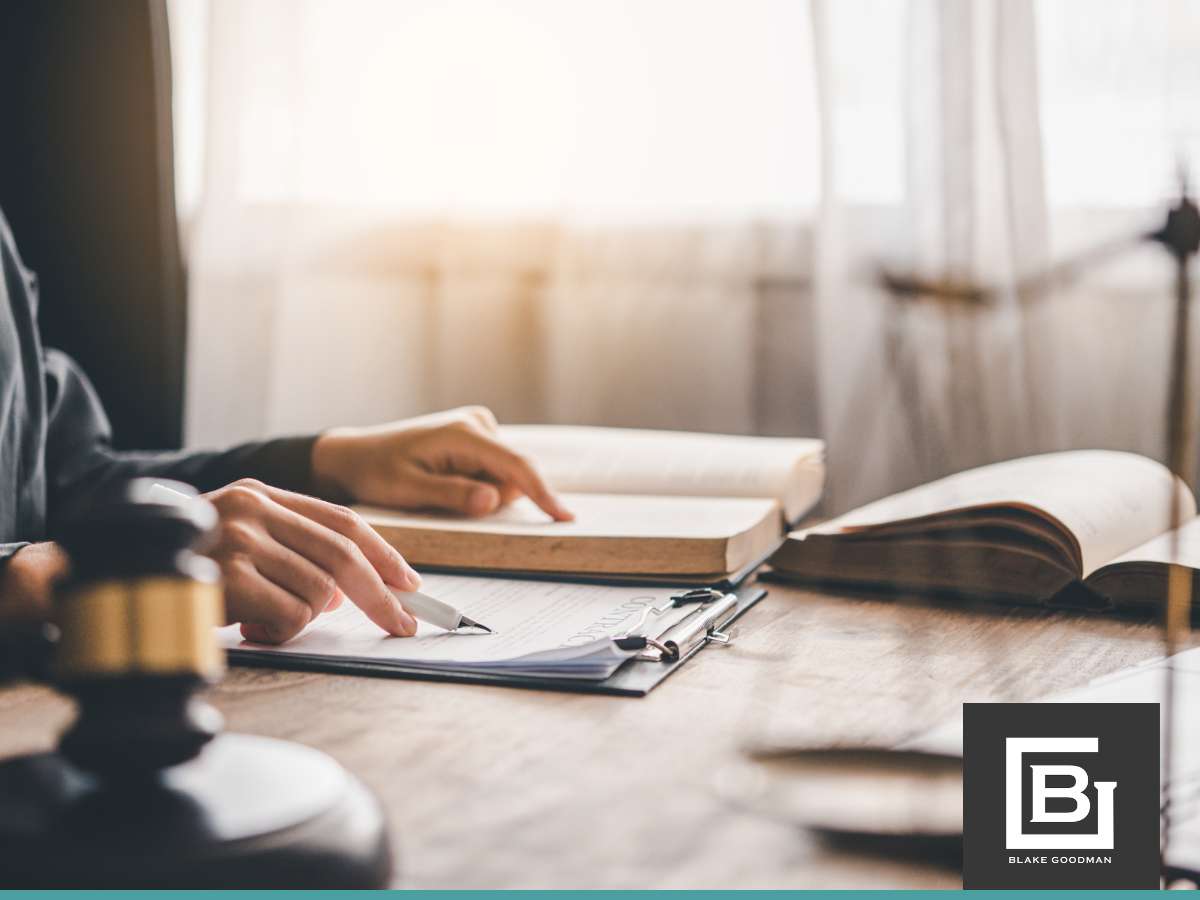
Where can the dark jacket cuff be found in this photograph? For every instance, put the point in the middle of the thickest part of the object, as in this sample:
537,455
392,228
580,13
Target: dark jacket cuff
285,463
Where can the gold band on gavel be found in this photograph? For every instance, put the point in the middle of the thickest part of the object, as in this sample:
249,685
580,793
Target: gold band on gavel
155,625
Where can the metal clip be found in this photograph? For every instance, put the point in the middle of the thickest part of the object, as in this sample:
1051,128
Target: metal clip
652,650
684,598
696,595
702,625
664,652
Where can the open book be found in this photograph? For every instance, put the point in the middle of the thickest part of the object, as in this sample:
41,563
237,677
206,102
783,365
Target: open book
1022,530
660,503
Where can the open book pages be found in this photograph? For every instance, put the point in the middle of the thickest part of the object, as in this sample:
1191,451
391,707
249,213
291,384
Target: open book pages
675,463
542,629
1139,576
615,534
646,503
1021,529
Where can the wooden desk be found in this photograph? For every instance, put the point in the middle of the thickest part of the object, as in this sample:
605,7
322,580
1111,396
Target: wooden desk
493,787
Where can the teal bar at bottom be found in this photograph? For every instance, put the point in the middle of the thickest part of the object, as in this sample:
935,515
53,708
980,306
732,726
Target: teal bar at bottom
591,895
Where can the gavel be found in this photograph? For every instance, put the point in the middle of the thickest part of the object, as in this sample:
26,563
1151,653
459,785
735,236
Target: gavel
144,790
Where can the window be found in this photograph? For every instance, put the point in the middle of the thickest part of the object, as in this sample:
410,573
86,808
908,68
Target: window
654,109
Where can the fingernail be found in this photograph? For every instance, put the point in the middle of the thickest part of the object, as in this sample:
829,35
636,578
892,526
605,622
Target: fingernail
412,577
407,622
482,500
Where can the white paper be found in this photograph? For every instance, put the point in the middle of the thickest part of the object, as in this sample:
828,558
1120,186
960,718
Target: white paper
639,461
528,616
1182,546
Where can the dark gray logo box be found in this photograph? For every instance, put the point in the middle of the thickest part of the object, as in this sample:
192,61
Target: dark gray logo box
1128,753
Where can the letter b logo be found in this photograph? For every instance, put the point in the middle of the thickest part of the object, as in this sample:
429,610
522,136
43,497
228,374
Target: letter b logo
1041,793
1015,836
1061,795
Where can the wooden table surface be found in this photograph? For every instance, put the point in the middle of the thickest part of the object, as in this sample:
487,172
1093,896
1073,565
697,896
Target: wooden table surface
502,788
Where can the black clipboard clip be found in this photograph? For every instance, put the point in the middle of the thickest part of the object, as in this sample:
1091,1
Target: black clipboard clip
714,610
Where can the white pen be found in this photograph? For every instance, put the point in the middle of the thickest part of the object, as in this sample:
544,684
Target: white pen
436,612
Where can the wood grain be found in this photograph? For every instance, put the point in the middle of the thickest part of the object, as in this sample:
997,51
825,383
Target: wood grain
503,788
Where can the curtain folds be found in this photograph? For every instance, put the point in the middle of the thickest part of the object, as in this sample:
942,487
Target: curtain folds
933,385
926,121
309,312
304,318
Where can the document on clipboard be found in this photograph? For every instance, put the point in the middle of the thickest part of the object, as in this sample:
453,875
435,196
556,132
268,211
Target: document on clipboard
546,633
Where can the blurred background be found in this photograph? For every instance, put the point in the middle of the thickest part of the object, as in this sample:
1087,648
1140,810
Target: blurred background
672,214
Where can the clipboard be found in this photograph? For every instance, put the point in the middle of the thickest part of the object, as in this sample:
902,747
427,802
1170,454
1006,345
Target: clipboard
635,678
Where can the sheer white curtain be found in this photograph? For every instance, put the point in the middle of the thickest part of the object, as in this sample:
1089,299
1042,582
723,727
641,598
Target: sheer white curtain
926,387
672,214
1016,133
569,212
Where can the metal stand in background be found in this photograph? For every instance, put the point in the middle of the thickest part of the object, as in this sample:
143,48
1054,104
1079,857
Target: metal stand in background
1180,235
863,817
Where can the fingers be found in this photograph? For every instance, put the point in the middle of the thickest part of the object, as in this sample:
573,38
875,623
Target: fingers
259,634
264,582
269,614
493,475
298,576
346,561
280,550
455,493
387,561
338,599
510,468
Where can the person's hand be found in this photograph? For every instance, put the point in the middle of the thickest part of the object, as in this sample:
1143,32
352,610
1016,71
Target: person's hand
451,461
286,558
27,581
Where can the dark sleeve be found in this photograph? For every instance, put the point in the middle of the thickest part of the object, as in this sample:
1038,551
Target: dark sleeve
80,459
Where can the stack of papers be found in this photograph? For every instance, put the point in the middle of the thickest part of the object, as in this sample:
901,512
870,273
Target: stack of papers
543,630
593,661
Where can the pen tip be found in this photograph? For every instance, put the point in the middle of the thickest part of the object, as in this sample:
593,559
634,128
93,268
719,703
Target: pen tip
464,622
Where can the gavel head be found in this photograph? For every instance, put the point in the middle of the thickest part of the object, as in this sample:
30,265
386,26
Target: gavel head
136,618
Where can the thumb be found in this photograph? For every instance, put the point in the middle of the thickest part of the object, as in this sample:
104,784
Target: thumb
258,633
450,492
